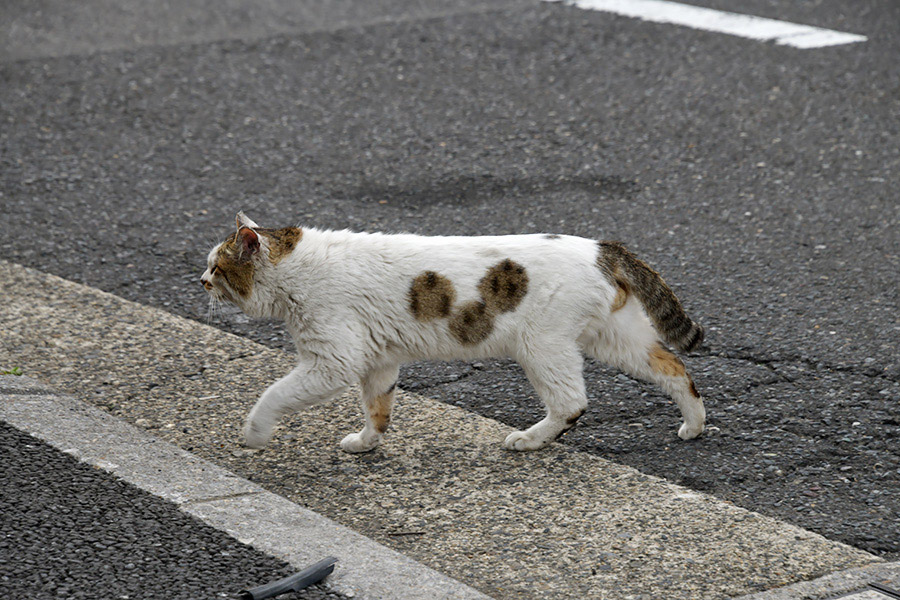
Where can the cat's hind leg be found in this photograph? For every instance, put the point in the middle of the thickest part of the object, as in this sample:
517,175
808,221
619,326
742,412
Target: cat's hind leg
629,342
555,373
303,387
378,388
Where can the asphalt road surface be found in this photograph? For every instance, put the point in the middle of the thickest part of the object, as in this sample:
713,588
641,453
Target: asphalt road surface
759,179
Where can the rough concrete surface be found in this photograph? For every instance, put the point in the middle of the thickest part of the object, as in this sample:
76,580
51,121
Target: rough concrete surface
556,524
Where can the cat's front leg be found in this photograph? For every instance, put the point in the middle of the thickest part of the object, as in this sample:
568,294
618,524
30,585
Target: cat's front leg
378,388
301,388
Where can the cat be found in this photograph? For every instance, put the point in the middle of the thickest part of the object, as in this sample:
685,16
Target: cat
360,304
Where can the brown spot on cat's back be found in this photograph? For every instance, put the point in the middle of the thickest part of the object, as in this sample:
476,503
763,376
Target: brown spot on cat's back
551,236
663,361
503,286
431,296
281,241
472,323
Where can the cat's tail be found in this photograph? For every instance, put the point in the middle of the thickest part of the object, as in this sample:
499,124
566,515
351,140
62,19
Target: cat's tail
630,273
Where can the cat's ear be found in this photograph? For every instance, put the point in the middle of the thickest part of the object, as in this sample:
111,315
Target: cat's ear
249,241
245,221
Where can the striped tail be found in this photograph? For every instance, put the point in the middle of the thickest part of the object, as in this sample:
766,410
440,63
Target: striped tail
623,268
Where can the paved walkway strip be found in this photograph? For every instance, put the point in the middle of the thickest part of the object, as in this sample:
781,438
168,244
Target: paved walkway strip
441,490
708,19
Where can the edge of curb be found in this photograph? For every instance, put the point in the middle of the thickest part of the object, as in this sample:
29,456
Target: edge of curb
221,499
834,584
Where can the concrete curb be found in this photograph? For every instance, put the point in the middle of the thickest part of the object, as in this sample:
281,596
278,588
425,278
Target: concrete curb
841,582
244,510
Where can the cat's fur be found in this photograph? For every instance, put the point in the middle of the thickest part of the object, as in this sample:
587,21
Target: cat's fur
358,305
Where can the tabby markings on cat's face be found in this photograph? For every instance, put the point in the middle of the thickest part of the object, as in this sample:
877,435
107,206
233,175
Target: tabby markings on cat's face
432,296
231,265
281,242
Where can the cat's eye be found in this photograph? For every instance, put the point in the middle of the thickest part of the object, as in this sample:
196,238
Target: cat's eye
214,269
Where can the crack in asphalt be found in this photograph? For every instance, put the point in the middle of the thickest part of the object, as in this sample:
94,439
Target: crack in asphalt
421,387
812,366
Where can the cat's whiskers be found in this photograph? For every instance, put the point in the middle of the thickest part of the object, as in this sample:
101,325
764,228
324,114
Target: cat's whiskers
212,309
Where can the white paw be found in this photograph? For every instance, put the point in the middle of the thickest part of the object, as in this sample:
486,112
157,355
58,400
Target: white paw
254,437
355,442
688,433
523,441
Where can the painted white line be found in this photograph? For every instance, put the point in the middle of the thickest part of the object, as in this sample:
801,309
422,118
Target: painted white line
707,19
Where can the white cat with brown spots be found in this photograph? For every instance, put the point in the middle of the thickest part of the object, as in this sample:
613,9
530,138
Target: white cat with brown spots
358,305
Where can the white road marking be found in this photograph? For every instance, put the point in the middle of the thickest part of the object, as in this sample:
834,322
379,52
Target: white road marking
707,19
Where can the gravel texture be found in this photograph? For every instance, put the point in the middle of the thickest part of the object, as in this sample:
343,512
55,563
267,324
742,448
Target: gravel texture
71,531
759,179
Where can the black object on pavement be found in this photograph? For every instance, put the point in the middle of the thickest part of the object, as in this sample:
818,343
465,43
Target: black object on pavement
293,583
885,590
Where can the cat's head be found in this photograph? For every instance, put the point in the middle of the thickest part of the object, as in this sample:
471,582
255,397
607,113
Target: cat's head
242,269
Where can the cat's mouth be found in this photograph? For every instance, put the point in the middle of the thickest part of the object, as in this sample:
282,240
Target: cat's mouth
219,293
227,295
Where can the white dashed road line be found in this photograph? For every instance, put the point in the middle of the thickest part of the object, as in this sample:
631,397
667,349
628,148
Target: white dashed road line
707,19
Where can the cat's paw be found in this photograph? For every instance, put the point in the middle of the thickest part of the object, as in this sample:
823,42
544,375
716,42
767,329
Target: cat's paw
254,437
686,432
356,442
524,441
